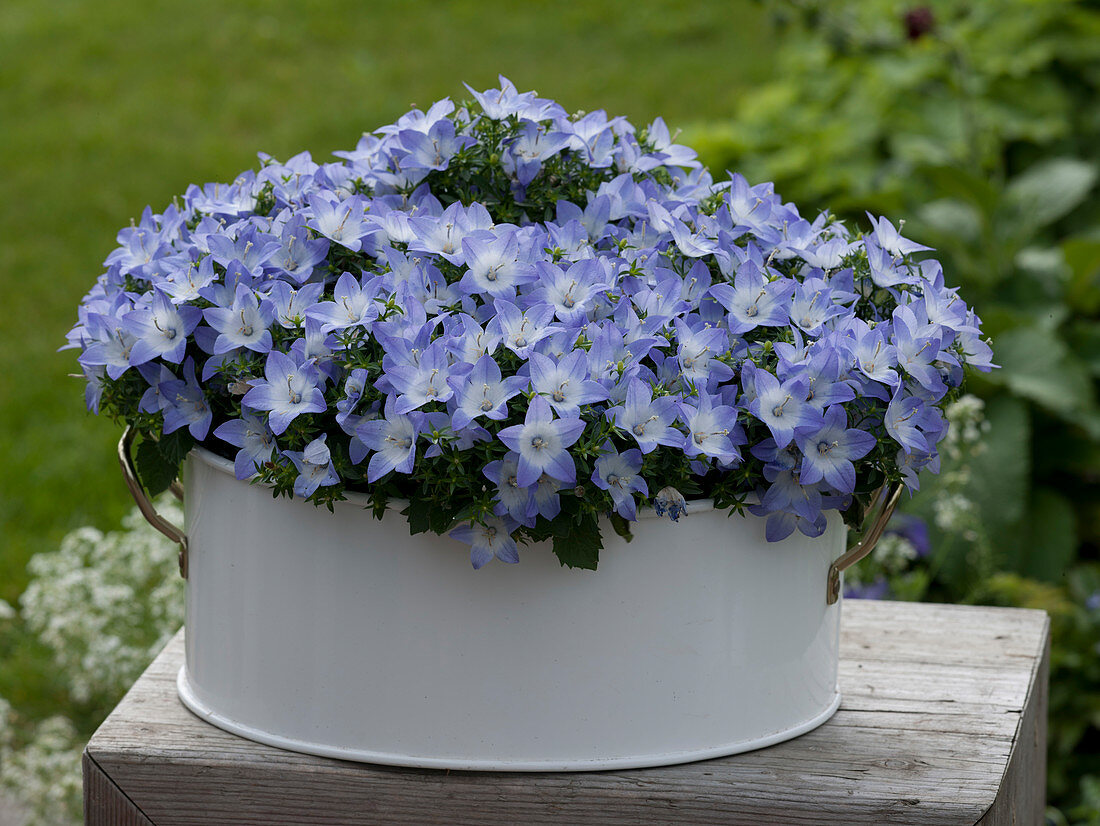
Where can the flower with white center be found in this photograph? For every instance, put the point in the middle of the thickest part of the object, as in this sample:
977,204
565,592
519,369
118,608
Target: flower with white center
185,404
521,329
108,343
245,324
161,329
314,467
542,442
781,406
185,284
753,301
513,499
254,438
829,453
712,430
290,304
646,419
494,268
287,390
339,221
352,304
571,292
482,392
617,473
393,438
489,538
426,381
698,352
565,383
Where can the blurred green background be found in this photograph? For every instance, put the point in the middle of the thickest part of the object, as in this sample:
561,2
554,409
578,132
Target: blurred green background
978,123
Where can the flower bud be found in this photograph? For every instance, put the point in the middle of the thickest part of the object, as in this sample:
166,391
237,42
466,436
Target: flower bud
670,501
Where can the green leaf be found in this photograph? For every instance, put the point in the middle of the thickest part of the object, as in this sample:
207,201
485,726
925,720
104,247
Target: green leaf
1049,190
175,446
440,518
581,547
621,526
955,182
419,514
153,469
1000,473
1051,542
1083,257
1037,365
952,217
1084,338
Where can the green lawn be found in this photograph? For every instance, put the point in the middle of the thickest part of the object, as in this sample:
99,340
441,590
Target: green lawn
108,106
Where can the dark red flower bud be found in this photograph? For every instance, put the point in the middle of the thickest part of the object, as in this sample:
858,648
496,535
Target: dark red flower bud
919,22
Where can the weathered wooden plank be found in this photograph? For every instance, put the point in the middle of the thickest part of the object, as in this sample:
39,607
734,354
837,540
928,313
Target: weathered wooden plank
932,709
104,802
1021,801
949,635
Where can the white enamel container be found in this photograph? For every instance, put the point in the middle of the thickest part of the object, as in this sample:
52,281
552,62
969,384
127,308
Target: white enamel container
344,636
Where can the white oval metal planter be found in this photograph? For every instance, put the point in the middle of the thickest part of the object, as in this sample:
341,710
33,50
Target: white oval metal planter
344,636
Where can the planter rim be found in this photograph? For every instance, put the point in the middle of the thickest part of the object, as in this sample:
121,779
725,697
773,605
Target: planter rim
221,463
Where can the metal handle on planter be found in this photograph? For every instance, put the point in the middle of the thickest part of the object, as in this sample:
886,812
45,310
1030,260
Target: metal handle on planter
144,505
863,547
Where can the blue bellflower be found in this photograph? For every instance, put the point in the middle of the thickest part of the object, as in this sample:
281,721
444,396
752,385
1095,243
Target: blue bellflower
488,539
829,453
617,473
254,438
287,390
781,406
314,466
646,419
542,443
393,440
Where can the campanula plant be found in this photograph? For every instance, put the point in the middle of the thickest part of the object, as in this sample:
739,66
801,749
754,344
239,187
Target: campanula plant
518,321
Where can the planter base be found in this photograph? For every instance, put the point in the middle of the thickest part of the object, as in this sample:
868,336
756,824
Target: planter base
342,635
635,761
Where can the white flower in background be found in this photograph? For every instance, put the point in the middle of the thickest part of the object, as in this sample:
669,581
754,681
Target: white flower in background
106,603
966,416
44,775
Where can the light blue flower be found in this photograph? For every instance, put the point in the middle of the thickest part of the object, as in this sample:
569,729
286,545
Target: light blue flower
489,538
393,440
254,438
338,220
542,443
186,404
617,473
647,420
482,392
781,406
829,453
287,390
564,383
244,324
314,466
161,330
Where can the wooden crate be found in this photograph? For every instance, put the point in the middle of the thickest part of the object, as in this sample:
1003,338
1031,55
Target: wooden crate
943,721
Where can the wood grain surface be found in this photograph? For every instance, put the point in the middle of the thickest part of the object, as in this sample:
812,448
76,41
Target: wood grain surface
943,721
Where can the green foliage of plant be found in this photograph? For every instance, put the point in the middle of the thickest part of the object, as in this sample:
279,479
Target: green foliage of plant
979,120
